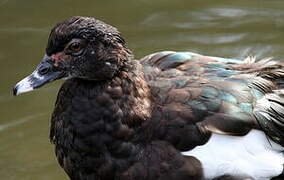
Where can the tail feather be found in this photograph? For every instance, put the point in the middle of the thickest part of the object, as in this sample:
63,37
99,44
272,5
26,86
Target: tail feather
269,112
269,108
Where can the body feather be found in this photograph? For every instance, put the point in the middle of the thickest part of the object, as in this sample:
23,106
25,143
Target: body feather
225,96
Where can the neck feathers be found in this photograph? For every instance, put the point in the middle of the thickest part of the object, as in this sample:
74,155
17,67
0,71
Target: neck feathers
136,101
96,121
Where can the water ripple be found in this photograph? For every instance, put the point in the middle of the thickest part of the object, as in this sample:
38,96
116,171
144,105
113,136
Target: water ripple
24,30
19,121
218,39
213,17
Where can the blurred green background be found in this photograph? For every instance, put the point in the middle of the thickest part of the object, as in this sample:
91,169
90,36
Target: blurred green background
224,28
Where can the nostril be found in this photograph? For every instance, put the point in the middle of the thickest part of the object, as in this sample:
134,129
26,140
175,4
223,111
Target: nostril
43,70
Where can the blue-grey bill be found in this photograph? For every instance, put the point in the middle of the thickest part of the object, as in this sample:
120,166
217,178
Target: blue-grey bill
44,73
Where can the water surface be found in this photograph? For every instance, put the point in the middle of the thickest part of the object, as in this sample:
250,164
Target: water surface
224,28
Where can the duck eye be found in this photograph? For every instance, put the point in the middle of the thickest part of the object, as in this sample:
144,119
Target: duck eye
75,47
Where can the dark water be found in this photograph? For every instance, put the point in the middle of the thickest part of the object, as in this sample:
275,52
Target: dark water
218,28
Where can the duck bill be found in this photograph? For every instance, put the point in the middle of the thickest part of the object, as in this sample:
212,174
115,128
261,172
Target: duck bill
44,73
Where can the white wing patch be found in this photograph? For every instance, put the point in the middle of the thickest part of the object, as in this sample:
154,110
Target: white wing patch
253,155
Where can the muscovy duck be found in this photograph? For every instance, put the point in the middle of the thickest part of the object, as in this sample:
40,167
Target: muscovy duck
170,116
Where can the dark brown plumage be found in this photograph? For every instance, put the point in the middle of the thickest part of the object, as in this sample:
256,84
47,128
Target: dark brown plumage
118,118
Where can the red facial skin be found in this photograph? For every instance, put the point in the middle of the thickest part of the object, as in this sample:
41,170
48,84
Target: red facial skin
58,57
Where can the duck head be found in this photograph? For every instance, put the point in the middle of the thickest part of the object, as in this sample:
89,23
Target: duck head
79,47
